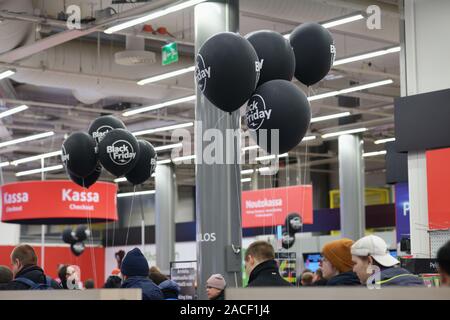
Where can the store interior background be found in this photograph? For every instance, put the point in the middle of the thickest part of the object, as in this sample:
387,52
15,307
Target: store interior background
83,81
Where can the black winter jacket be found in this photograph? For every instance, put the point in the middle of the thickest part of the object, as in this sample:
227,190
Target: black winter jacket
33,273
266,274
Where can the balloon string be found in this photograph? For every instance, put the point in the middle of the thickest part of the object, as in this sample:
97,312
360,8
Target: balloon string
91,240
129,216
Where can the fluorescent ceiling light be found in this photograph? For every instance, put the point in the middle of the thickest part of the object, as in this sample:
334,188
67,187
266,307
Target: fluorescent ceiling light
309,138
263,169
351,89
165,161
246,180
13,111
4,164
367,55
338,22
159,106
250,148
34,171
38,157
384,140
341,21
159,13
167,75
168,146
185,158
6,74
336,134
138,193
122,179
161,129
248,171
272,156
373,154
329,117
25,139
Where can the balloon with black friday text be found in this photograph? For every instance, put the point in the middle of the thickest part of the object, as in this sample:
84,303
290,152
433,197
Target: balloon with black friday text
145,165
79,154
102,125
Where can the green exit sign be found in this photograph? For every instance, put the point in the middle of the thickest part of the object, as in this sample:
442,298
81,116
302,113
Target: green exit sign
169,53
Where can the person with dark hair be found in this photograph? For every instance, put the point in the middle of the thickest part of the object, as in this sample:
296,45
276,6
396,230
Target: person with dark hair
261,267
443,259
135,272
89,284
337,264
62,275
318,279
215,287
169,288
5,274
27,275
375,266
113,282
307,279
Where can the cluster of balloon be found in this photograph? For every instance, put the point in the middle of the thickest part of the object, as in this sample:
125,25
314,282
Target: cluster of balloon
293,224
107,145
231,70
76,239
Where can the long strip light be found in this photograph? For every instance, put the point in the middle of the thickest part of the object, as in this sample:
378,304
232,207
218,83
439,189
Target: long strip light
331,116
368,55
165,161
123,179
184,158
162,129
381,141
373,154
138,193
13,111
272,156
4,164
6,74
25,139
168,147
153,15
246,180
351,89
37,157
339,133
309,138
159,106
34,171
165,76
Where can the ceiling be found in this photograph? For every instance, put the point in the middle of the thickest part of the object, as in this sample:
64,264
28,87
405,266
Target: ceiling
69,78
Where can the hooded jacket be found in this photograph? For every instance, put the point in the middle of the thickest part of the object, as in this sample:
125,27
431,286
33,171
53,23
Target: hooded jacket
396,276
344,279
30,272
266,274
170,289
150,290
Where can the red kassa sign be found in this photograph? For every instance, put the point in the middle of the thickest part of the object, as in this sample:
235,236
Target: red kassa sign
269,207
57,199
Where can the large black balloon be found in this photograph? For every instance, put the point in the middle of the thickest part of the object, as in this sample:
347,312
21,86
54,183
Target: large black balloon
145,165
278,104
68,236
118,152
88,181
77,248
81,233
102,125
293,223
287,240
227,70
79,155
314,52
275,55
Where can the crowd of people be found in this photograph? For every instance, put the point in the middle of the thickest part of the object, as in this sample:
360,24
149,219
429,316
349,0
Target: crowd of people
344,263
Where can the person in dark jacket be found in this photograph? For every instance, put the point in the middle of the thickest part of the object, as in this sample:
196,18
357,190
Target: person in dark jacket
113,282
337,263
215,287
443,259
135,271
5,274
319,280
169,288
375,267
261,267
25,270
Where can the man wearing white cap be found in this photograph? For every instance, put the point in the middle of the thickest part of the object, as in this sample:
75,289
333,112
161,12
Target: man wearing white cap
375,266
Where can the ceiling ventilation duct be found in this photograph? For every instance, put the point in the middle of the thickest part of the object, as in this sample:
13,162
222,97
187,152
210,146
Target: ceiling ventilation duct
135,54
14,33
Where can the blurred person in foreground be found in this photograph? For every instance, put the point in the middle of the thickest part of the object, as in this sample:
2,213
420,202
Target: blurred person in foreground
443,259
169,288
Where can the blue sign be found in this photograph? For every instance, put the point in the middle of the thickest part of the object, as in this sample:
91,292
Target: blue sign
402,210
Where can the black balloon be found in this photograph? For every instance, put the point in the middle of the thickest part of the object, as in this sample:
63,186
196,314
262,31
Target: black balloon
275,55
77,248
227,70
293,223
278,105
88,181
81,233
314,52
287,240
68,236
118,152
102,125
145,165
79,155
